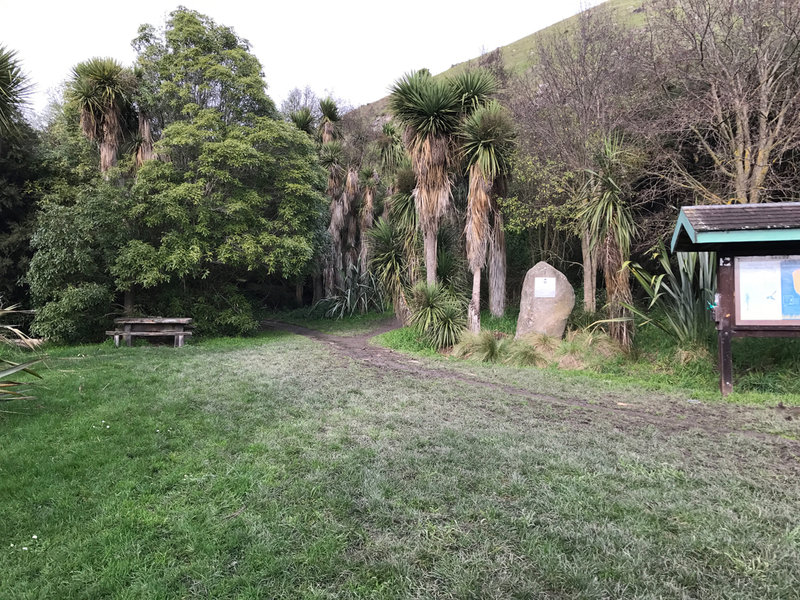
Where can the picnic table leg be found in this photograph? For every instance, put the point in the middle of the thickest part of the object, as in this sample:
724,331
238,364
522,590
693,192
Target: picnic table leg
116,340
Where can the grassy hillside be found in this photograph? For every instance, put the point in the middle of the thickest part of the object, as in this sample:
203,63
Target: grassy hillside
518,56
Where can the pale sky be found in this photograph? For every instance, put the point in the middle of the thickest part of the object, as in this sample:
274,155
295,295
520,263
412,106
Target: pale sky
352,49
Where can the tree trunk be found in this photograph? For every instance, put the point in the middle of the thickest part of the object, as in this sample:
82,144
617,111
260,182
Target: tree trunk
401,309
497,267
127,302
298,292
317,288
145,151
110,143
430,256
474,310
618,289
589,273
328,276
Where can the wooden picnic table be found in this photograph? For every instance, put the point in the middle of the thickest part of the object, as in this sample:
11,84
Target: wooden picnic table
128,328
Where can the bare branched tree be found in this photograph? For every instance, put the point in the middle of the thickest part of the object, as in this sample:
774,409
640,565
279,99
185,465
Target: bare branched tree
728,71
582,89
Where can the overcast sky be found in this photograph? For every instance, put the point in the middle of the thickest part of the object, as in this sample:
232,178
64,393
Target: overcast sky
352,49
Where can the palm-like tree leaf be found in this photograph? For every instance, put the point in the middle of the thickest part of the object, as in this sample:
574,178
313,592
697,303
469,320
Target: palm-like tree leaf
474,88
303,120
424,105
9,394
487,140
17,367
14,88
329,110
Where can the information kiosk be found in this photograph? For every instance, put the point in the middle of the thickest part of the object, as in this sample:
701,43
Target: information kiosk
758,269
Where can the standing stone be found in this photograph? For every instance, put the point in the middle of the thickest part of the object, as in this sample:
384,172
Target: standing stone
547,300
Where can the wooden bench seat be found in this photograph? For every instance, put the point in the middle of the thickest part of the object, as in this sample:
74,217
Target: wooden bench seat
128,335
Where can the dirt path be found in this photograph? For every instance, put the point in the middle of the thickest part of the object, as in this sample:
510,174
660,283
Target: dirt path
668,415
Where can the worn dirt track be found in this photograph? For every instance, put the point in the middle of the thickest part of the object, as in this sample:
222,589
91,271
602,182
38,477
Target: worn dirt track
669,416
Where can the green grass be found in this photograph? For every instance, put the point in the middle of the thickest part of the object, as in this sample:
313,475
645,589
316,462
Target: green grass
347,326
766,371
520,56
271,468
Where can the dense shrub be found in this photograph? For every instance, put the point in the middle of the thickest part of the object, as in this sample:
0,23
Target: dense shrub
78,313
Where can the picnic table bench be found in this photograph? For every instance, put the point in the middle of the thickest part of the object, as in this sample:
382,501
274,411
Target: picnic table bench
131,327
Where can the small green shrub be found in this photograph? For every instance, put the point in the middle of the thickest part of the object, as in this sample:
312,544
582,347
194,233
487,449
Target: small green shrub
679,299
437,315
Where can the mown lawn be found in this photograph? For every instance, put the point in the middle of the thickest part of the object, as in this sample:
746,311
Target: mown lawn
274,468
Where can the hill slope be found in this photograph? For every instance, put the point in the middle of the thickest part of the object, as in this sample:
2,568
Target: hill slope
519,56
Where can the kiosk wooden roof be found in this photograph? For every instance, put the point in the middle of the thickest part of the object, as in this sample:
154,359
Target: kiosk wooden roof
739,229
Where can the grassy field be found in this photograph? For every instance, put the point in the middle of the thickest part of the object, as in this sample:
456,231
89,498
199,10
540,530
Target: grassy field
275,467
353,325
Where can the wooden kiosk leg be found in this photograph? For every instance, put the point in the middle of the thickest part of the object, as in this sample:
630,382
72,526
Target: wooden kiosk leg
725,362
726,309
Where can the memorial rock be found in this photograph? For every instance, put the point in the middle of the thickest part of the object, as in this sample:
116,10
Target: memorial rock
547,300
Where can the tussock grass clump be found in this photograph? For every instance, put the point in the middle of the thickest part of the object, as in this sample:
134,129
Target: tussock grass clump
523,354
486,346
579,350
582,349
546,344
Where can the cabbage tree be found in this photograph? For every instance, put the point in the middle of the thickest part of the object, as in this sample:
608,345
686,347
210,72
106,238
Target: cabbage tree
487,141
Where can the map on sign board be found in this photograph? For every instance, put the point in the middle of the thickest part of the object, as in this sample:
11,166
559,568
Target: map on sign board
544,287
768,288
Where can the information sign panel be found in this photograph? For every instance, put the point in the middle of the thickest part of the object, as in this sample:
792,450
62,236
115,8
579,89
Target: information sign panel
544,287
768,290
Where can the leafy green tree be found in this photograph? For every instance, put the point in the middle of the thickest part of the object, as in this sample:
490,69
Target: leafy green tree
235,198
196,64
80,231
230,197
20,168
